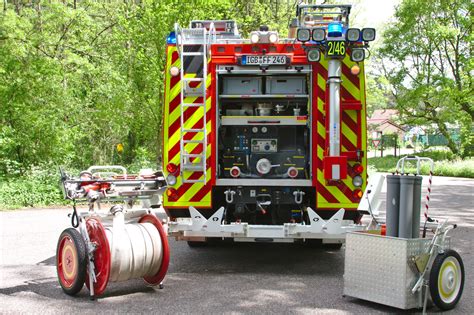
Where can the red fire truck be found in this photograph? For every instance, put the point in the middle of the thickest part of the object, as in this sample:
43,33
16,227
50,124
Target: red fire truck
264,139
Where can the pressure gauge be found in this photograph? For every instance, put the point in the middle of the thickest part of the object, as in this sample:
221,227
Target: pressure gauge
264,129
255,129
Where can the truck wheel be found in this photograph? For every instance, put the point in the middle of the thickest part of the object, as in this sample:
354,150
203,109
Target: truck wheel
447,280
71,261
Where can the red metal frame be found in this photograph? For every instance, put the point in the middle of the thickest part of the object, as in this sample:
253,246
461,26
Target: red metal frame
102,255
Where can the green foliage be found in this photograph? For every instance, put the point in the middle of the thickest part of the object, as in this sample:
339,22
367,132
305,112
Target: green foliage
427,58
36,188
446,164
78,78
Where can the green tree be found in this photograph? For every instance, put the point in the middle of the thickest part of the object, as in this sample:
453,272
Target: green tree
427,57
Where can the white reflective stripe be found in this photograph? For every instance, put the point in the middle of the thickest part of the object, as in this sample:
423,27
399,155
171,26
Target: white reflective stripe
336,171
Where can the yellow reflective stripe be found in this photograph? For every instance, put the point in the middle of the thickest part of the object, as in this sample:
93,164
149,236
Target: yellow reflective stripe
334,190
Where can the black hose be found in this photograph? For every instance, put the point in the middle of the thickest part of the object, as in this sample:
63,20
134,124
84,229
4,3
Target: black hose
74,216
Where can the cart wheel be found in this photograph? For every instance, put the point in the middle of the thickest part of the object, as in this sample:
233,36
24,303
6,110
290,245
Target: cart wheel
102,255
447,280
71,261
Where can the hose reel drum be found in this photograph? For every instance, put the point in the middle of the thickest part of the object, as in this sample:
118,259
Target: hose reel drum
119,251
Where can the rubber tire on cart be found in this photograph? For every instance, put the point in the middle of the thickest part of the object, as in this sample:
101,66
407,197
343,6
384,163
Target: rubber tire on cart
72,249
447,280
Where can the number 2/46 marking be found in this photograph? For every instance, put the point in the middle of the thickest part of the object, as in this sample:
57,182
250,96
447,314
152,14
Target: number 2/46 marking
336,48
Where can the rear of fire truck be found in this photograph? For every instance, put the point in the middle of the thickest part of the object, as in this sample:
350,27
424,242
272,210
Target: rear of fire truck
264,139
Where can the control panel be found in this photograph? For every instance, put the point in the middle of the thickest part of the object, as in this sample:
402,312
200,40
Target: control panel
263,151
264,145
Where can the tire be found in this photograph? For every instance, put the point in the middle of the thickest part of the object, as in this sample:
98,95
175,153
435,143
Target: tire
71,261
447,280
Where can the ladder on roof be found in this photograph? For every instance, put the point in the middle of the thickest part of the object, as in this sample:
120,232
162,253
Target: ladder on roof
193,86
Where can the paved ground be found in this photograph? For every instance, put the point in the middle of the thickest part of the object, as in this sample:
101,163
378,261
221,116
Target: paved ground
242,278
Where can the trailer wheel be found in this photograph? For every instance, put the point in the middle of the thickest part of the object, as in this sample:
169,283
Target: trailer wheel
71,261
447,280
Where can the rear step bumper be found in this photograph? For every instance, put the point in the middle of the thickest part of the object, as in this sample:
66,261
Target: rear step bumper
197,227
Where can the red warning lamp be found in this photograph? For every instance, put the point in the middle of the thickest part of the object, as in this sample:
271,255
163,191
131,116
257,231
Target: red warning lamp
358,168
172,168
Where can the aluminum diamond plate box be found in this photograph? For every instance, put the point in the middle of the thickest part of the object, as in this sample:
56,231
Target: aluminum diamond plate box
378,269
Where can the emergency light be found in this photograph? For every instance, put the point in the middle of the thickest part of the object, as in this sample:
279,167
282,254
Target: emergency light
171,39
335,30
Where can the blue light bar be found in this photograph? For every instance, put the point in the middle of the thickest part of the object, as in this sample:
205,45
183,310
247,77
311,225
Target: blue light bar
171,39
335,29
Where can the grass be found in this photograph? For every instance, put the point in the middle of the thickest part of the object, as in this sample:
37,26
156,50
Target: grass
445,165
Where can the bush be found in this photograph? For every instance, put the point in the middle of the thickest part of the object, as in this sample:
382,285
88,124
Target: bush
36,188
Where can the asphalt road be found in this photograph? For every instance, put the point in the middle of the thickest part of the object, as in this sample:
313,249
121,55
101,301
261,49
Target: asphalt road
234,278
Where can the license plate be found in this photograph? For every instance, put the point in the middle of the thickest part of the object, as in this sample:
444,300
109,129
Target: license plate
336,48
264,60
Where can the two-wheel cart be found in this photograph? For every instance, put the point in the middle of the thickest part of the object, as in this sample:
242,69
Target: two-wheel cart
403,272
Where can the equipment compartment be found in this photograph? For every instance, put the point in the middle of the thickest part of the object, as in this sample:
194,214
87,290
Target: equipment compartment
242,85
286,85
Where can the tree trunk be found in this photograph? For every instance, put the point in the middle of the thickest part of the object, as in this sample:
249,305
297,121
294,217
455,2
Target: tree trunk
444,131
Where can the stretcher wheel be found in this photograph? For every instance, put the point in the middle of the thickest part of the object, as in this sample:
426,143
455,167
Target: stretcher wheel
447,280
102,256
160,275
71,261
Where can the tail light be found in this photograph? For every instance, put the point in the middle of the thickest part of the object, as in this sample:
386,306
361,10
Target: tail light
357,194
172,168
358,168
292,172
172,194
235,171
